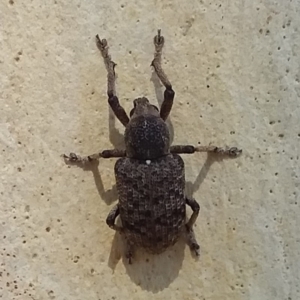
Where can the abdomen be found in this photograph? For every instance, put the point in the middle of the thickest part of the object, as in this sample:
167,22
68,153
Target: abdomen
152,200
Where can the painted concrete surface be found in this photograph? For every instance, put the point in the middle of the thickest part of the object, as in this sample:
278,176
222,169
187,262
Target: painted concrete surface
235,68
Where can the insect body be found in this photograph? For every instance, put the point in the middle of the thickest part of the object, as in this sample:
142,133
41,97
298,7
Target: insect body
149,172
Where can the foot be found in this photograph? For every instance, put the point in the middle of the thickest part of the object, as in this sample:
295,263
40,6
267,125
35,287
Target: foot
74,158
231,152
234,151
101,44
191,241
129,256
195,248
159,41
103,47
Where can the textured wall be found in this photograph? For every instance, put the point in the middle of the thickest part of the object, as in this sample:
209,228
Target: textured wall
235,68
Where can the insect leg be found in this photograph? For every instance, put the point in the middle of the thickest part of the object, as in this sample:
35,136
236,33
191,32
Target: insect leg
72,157
189,149
129,251
111,80
195,208
110,221
111,218
191,239
156,63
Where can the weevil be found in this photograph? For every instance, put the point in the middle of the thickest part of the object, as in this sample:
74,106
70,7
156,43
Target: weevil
150,174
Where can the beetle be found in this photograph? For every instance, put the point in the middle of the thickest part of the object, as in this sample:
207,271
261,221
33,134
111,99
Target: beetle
150,174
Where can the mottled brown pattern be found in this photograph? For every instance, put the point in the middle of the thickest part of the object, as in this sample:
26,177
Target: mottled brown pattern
150,173
152,200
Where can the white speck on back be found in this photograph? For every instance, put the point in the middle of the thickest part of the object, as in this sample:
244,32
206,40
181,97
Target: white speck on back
148,162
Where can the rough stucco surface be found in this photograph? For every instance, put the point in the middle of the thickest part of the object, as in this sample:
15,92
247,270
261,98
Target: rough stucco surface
235,68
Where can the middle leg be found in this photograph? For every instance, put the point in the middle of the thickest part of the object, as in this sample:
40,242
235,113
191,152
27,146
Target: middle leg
156,63
189,149
72,157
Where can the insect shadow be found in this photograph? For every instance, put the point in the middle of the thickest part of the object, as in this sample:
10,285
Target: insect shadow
154,272
150,272
117,140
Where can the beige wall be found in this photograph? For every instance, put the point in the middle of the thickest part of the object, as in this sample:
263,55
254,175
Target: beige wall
235,68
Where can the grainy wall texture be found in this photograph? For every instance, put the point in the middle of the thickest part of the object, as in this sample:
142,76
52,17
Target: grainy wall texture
235,68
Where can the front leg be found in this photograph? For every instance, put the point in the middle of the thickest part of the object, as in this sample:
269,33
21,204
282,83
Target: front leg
189,149
72,157
111,80
156,63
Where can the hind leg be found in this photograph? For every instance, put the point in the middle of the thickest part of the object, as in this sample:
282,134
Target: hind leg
75,158
191,240
190,235
111,219
129,252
